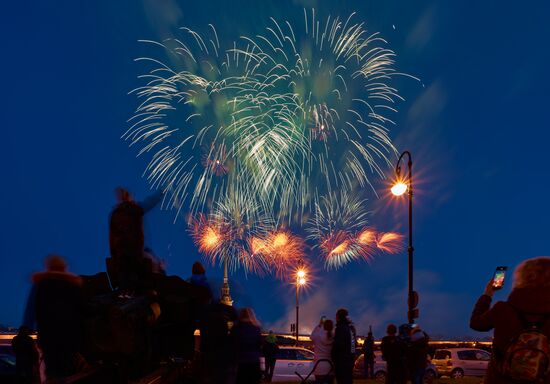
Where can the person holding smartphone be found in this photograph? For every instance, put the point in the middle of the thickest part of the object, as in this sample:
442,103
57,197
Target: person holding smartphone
323,338
527,307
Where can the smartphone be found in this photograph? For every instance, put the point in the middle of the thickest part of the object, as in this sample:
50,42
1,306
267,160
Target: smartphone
323,318
498,278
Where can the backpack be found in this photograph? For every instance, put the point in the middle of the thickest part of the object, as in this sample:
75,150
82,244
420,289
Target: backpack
527,357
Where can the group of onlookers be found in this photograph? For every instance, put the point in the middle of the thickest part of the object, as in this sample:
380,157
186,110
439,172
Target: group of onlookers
231,342
335,352
405,353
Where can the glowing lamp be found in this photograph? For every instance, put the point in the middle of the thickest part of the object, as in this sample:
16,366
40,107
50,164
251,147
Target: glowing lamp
399,188
301,281
301,274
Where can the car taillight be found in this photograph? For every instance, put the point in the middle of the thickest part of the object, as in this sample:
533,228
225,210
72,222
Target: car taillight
449,363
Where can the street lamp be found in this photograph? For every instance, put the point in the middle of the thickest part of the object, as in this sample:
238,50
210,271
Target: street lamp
398,189
300,281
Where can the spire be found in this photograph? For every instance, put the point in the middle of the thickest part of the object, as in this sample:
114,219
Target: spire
226,296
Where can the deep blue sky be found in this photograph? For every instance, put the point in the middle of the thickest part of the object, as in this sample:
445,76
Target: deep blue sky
478,130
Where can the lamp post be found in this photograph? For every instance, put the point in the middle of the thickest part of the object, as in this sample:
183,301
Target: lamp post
300,281
399,188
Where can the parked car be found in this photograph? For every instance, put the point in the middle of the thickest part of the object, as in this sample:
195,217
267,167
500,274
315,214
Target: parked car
289,361
460,362
380,369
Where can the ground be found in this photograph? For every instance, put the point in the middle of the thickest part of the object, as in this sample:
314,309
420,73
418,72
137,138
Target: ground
467,380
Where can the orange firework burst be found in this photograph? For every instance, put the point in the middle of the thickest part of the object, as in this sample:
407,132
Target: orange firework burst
366,241
367,237
283,250
257,246
207,235
338,249
389,242
210,239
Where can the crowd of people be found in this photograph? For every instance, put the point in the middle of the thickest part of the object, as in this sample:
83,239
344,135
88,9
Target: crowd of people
406,354
139,293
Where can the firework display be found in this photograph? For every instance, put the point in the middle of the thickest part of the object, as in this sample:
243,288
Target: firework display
271,133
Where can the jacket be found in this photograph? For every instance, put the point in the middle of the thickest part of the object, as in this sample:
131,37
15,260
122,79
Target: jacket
248,340
343,347
322,347
417,353
532,303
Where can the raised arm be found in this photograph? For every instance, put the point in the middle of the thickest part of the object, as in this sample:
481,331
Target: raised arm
483,316
150,202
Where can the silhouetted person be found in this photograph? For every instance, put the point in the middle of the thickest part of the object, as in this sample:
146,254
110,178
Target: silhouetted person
216,345
248,342
393,351
343,348
368,356
323,339
527,308
198,276
58,306
417,355
26,355
270,354
129,264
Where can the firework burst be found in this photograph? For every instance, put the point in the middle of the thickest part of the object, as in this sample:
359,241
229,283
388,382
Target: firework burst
390,242
337,74
207,234
340,232
265,130
338,217
301,109
286,250
242,224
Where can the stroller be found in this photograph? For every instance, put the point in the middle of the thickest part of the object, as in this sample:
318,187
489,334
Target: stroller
329,378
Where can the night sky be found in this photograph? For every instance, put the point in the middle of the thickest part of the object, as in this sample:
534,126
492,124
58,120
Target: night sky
477,125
